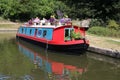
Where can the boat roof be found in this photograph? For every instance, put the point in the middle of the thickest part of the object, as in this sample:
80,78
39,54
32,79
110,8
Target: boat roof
46,26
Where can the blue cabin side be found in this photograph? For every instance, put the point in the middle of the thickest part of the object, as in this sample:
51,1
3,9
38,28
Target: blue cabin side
46,33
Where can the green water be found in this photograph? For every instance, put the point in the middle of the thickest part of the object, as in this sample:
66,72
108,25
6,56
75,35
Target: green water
20,60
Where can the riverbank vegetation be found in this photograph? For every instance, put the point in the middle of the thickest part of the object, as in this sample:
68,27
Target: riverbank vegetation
108,29
114,42
101,31
104,14
9,26
80,9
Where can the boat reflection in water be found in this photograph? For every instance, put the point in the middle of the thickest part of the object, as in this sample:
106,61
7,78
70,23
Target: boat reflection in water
54,70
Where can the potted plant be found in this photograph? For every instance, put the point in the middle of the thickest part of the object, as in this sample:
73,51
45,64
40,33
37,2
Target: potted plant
75,35
78,36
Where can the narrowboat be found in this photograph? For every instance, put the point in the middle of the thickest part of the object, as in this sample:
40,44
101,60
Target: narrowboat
63,37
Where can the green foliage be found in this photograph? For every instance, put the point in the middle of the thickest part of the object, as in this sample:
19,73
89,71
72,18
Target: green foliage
26,9
75,35
113,41
78,35
97,30
100,9
113,25
72,34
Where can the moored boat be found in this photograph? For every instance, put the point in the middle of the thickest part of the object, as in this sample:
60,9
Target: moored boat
65,37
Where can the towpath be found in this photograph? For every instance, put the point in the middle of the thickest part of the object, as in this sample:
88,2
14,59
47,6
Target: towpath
104,42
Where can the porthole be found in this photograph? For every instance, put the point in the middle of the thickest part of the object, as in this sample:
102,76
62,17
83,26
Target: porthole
39,32
44,33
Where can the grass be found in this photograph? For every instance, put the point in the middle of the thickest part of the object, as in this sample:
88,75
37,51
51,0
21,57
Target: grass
7,35
114,42
15,26
8,24
104,42
3,20
101,31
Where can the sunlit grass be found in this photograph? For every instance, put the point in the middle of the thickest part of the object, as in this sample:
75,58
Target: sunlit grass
114,42
101,31
10,26
7,36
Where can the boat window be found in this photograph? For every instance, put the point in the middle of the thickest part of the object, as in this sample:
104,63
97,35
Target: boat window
22,30
39,32
44,33
35,32
25,30
30,31
68,33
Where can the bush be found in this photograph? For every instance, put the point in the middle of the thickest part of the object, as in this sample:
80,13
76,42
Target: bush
104,31
76,35
112,24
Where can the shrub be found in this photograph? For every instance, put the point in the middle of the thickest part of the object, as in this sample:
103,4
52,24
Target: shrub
112,24
76,35
104,31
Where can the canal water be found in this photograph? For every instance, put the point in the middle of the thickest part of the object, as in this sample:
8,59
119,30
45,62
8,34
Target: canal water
20,60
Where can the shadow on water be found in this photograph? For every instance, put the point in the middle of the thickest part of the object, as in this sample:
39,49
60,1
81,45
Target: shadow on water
106,59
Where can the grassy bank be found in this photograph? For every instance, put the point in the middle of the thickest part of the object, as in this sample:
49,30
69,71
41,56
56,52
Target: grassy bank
104,42
104,38
114,42
10,25
101,31
7,35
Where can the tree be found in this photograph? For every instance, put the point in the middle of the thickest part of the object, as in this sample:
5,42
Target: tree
25,9
100,9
